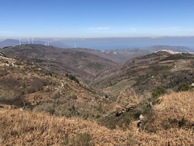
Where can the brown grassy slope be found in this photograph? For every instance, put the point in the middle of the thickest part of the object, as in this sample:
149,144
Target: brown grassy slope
165,126
27,128
173,109
30,128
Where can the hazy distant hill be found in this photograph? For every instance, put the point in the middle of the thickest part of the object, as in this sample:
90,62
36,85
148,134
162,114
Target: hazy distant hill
182,49
8,42
46,42
122,55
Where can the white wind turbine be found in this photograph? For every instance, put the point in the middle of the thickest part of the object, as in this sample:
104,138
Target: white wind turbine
20,42
28,40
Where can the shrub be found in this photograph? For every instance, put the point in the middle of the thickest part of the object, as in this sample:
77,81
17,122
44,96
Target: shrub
182,122
158,91
82,139
3,73
72,78
46,107
55,94
184,87
65,140
179,56
174,123
34,84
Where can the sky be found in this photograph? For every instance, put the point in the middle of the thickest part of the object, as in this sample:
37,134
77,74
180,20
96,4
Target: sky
96,18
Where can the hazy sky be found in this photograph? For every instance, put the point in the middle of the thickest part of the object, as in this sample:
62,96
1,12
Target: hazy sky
96,18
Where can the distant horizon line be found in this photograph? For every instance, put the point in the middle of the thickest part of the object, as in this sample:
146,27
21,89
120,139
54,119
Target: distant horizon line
39,37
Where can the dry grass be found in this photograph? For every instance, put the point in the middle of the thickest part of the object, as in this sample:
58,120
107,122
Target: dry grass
172,137
19,127
166,125
175,107
28,128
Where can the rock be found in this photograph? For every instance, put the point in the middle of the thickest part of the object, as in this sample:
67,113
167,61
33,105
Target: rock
141,117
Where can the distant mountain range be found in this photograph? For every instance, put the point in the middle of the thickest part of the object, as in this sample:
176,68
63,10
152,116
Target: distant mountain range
8,42
14,42
117,55
122,55
104,43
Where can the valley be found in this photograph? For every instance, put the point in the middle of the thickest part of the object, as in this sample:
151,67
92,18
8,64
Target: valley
88,97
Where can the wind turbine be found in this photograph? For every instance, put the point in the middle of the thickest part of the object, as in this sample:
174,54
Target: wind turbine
28,40
20,43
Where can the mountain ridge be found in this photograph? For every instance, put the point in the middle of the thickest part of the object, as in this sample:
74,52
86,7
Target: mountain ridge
82,64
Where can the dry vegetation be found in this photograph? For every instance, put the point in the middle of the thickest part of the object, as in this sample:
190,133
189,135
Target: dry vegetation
27,85
86,66
143,74
171,122
42,107
20,127
28,128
